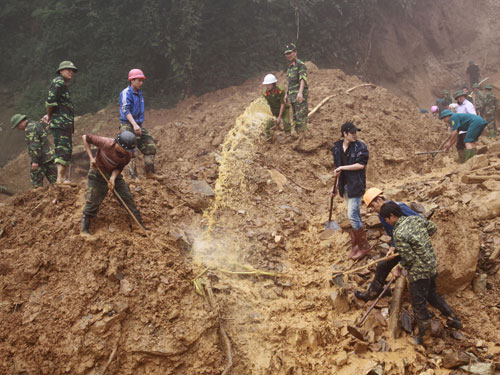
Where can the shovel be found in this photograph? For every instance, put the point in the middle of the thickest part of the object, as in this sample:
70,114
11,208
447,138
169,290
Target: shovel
331,226
354,330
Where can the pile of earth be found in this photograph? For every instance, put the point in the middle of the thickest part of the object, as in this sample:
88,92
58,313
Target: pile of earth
236,229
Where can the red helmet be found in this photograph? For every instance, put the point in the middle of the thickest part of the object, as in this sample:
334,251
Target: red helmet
136,73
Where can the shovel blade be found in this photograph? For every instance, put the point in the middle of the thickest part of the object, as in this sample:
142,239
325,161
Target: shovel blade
356,333
333,225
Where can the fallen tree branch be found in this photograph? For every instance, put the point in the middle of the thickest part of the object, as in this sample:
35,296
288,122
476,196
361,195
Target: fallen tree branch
358,86
476,179
397,302
113,353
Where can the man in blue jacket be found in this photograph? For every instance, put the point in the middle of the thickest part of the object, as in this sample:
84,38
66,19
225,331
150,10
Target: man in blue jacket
374,199
350,157
132,118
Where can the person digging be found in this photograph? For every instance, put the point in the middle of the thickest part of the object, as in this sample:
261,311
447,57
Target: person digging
350,157
411,236
112,156
275,97
374,200
473,125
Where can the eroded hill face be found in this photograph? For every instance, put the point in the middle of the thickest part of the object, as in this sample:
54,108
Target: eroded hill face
71,304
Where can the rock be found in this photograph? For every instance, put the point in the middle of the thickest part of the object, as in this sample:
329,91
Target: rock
395,194
361,347
202,187
287,207
480,368
341,359
437,328
372,221
466,198
479,284
417,207
479,161
339,301
457,335
125,287
489,228
436,191
278,178
491,185
487,207
453,359
385,238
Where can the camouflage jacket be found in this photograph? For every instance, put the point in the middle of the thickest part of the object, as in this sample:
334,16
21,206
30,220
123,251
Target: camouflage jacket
275,98
489,104
412,239
59,97
479,101
38,142
296,72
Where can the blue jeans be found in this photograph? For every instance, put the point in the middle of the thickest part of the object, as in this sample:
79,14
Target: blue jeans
353,211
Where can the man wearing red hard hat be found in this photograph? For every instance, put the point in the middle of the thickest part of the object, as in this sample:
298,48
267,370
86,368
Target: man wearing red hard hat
132,119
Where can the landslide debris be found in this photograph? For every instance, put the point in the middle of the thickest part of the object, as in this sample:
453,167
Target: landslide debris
67,302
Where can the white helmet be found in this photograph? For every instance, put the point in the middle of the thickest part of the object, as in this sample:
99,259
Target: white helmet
270,79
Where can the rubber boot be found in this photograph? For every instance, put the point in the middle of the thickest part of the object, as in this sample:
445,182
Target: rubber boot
493,133
85,224
454,322
354,245
61,173
149,166
373,291
362,242
461,156
424,327
469,153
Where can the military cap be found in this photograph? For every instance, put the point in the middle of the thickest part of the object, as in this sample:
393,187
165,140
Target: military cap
66,65
446,112
476,86
459,93
488,87
16,120
290,47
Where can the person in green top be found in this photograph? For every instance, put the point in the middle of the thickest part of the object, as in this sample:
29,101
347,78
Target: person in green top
298,89
412,240
275,97
39,148
60,116
489,109
472,124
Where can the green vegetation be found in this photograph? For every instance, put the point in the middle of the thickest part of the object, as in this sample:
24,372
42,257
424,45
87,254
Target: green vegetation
184,47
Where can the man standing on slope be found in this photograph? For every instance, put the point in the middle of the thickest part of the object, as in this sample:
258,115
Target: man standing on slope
298,90
39,148
275,97
112,156
132,118
60,115
350,157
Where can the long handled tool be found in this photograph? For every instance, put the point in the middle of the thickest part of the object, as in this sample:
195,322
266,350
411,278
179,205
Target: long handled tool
354,270
128,210
354,330
331,226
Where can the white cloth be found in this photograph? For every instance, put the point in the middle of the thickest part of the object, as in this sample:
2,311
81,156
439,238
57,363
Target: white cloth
466,107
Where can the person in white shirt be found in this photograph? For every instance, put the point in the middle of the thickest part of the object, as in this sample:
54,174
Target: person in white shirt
464,106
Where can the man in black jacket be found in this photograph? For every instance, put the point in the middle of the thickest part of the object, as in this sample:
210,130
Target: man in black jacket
350,157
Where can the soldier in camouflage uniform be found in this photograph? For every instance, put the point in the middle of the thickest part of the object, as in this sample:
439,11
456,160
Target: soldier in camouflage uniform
297,88
489,108
39,148
412,239
275,97
478,98
60,115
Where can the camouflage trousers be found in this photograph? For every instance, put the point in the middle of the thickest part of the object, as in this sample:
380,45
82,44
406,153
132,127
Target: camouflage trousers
492,125
145,144
48,170
300,111
97,189
63,145
286,123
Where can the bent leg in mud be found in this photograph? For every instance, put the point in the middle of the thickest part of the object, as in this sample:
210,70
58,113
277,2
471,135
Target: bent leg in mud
439,303
122,189
419,292
382,271
97,189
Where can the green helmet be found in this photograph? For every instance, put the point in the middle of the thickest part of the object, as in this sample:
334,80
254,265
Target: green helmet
290,47
16,120
446,92
476,86
488,87
66,65
446,112
459,93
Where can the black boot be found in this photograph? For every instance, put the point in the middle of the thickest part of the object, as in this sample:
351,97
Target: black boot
373,291
85,224
454,322
424,327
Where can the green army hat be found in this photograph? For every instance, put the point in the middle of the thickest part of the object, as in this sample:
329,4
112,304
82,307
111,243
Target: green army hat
290,47
16,120
476,86
459,93
446,112
446,92
66,65
488,87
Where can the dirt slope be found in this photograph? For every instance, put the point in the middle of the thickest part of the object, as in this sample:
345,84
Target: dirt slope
68,302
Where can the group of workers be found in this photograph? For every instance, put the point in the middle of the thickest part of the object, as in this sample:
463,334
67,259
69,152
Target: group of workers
112,154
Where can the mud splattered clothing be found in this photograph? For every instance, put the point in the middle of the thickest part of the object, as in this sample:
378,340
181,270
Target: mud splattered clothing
473,125
296,72
108,160
41,153
276,98
62,120
490,105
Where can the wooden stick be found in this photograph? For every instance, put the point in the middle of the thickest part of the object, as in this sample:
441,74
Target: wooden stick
128,210
366,265
475,179
358,86
320,105
113,353
397,301
375,303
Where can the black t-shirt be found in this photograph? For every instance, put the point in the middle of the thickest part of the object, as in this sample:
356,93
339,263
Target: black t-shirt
345,156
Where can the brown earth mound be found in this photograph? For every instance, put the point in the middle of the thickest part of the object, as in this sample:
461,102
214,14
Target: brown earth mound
114,303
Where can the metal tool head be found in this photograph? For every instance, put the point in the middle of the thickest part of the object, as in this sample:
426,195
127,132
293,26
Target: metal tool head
356,332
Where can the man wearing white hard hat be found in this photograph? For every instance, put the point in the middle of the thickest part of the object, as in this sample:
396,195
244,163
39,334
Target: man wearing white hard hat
275,97
132,119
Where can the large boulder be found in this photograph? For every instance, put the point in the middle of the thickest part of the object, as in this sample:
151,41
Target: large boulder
456,244
486,207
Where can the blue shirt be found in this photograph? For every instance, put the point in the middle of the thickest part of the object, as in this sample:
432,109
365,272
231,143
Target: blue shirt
462,121
407,211
131,102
